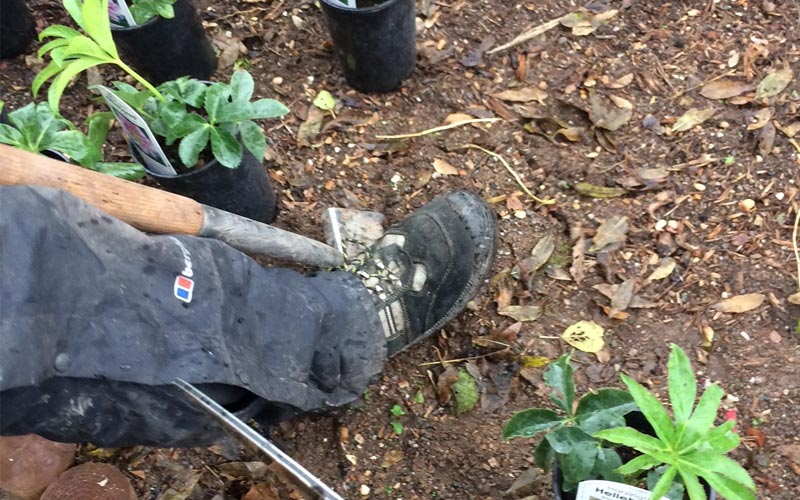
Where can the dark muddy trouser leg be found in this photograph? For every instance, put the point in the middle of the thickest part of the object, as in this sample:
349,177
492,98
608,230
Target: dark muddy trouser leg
97,319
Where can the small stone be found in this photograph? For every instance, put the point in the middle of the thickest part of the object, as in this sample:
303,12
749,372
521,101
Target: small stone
29,463
277,80
364,490
700,187
724,124
747,205
661,224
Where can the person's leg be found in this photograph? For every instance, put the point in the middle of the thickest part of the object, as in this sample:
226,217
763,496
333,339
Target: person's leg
97,319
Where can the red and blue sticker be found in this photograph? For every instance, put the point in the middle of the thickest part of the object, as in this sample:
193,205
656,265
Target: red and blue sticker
183,288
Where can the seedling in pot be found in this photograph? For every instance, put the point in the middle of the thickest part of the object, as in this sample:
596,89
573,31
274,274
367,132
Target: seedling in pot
688,444
568,438
72,52
36,128
199,116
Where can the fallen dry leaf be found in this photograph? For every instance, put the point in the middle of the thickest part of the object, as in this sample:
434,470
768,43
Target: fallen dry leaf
522,313
724,89
794,298
766,139
757,436
443,167
539,255
740,303
692,118
621,82
664,269
457,117
774,83
392,457
790,130
760,118
609,113
526,94
261,491
586,336
612,230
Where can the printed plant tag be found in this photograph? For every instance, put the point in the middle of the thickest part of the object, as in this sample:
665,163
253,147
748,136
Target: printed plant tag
120,15
597,489
138,134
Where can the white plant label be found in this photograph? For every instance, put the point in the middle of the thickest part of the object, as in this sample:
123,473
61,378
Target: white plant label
120,15
597,489
138,134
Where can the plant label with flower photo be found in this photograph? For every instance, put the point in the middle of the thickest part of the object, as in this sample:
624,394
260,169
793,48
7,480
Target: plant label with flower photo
597,489
120,15
138,134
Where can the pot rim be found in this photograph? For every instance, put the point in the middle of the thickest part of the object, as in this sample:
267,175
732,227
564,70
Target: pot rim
335,4
192,171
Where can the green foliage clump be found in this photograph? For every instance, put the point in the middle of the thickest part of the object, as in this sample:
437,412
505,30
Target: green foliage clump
144,10
569,434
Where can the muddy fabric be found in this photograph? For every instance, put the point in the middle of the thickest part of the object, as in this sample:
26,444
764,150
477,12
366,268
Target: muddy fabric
98,318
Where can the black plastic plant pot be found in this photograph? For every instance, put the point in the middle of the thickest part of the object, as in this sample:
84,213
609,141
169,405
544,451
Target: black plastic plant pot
165,49
374,42
17,28
636,420
245,190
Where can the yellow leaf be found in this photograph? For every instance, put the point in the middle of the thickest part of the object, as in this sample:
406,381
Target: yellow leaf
740,303
534,361
586,336
774,83
692,118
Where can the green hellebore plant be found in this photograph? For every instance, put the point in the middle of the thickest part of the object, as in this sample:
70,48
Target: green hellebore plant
569,437
199,115
36,128
72,52
688,444
144,10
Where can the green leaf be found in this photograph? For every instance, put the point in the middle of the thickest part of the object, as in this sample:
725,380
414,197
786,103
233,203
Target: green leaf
127,171
693,487
558,376
11,136
191,146
608,461
226,148
268,108
675,491
98,26
653,410
663,485
253,139
528,423
397,411
398,427
216,97
57,31
703,416
47,73
543,455
65,77
682,385
577,453
728,488
74,7
603,410
720,439
324,100
242,86
53,44
233,112
69,142
81,46
705,461
640,463
633,439
466,392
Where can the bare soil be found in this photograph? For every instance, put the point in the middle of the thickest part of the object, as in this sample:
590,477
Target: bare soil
683,194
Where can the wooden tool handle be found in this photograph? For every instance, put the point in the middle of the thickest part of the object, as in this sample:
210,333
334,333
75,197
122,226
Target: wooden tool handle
143,207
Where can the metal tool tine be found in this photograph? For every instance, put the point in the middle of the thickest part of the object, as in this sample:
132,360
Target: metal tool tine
232,423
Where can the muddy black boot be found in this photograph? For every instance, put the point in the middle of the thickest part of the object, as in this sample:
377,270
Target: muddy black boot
425,269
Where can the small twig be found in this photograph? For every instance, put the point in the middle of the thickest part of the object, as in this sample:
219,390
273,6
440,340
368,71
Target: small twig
795,244
437,129
458,360
513,174
529,34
